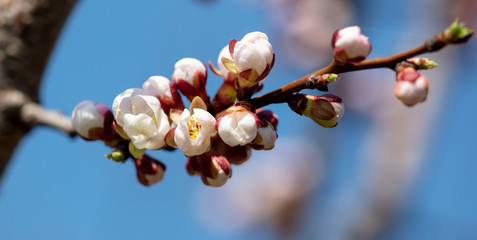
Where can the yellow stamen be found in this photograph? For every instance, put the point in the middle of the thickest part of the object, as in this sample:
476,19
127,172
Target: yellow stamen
194,128
155,120
133,107
119,110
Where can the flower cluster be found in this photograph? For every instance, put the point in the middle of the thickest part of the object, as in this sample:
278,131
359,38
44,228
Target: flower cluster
211,134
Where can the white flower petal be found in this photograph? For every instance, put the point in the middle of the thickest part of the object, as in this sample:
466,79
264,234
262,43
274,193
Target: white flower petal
184,69
268,136
206,127
158,86
142,118
254,51
224,53
85,117
237,128
339,109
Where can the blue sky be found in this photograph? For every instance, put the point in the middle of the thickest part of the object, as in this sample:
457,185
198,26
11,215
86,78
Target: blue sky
61,188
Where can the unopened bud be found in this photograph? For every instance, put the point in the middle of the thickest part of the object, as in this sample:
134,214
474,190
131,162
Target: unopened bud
190,76
411,86
116,156
252,57
268,116
226,96
149,170
457,33
321,82
266,137
192,166
422,63
350,46
215,170
237,126
267,132
325,110
165,91
92,121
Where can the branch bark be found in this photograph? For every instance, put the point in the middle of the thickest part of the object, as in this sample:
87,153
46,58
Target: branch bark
28,32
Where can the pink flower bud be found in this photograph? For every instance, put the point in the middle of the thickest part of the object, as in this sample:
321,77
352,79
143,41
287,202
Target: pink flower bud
237,126
165,91
268,116
411,86
266,137
193,166
190,76
149,170
267,132
325,110
214,170
92,121
350,46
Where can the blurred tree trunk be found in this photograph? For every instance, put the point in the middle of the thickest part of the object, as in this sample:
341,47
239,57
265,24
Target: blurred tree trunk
28,32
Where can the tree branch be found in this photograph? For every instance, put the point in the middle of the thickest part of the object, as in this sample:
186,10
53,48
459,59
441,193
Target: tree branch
281,94
34,114
28,32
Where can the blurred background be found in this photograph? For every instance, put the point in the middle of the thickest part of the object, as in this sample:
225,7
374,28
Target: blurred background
385,172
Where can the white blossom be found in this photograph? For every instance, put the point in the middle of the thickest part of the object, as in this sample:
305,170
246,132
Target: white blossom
254,51
141,117
237,128
193,133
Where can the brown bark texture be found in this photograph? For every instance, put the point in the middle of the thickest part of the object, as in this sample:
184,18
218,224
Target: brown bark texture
28,32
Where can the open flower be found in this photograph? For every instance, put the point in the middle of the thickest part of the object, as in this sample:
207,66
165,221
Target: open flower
411,87
238,126
92,121
165,91
193,133
350,46
190,75
141,117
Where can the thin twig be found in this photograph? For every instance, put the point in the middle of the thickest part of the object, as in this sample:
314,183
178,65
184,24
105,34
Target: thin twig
34,114
281,94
